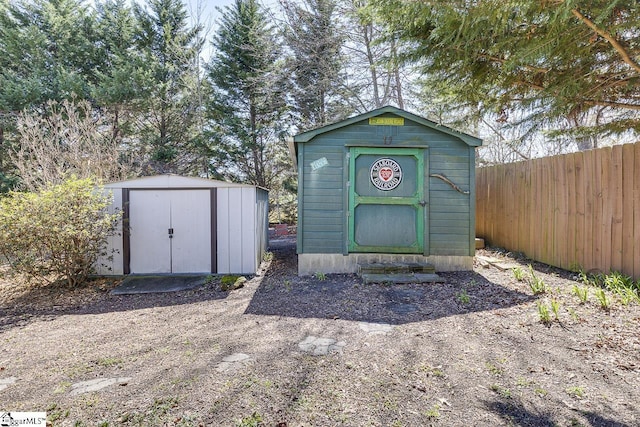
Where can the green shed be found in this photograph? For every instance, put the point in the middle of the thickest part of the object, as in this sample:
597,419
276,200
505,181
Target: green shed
385,186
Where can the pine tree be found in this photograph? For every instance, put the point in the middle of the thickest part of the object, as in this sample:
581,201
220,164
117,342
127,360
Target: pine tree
315,65
563,66
247,102
120,70
45,54
169,49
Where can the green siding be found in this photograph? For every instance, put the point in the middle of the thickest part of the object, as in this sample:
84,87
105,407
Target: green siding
323,193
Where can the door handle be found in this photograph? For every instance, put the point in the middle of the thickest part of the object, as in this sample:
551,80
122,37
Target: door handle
171,233
422,203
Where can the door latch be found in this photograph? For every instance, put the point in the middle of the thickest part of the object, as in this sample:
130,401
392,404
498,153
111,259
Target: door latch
171,233
422,203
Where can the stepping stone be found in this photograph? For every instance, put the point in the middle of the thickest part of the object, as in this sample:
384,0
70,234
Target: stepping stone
97,384
321,346
6,382
233,361
500,264
376,328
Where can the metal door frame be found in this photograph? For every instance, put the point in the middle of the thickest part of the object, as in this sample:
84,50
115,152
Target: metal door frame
126,237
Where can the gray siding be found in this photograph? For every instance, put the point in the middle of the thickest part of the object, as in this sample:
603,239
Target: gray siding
323,201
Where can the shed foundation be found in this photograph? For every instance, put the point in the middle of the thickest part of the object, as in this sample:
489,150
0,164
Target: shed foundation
337,263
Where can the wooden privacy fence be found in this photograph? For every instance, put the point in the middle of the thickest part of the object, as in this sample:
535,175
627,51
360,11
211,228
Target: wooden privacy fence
575,211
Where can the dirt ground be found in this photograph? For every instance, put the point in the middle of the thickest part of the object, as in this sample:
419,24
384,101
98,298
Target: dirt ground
468,352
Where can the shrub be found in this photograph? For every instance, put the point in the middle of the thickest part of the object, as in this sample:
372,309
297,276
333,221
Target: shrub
57,233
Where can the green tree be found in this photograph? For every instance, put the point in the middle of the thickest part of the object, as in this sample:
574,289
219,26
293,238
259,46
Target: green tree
316,62
121,72
247,103
57,233
169,49
562,66
45,54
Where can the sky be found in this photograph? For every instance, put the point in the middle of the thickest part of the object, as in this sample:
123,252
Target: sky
209,15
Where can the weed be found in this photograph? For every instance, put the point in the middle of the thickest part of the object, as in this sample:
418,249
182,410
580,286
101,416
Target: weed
536,283
231,282
582,293
519,273
463,297
502,391
433,413
573,314
575,391
319,275
108,362
493,369
62,387
390,405
540,391
543,313
209,279
254,420
555,308
605,302
615,281
287,285
267,256
90,400
163,406
628,295
54,413
523,382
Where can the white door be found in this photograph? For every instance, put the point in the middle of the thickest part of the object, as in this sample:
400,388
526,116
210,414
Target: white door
170,231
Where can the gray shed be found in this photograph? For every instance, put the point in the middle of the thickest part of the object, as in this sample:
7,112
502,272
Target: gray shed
174,224
385,186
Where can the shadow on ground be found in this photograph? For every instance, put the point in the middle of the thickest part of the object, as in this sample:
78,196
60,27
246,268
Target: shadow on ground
95,297
283,293
516,414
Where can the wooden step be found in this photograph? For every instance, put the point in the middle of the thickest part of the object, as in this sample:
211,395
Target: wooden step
401,278
395,267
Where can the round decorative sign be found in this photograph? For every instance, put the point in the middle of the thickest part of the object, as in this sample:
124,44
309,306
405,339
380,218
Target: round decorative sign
386,174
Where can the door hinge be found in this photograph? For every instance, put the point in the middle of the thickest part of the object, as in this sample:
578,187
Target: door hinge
348,155
348,184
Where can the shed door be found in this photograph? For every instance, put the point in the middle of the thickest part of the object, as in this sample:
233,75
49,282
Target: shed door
170,231
386,200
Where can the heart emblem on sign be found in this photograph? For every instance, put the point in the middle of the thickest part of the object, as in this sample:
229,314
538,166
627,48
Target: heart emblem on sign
386,174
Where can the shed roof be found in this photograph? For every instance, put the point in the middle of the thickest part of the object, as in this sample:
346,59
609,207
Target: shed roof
309,135
174,181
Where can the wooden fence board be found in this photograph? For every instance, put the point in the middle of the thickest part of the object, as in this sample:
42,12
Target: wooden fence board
570,214
589,209
561,230
627,209
578,165
615,205
636,212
